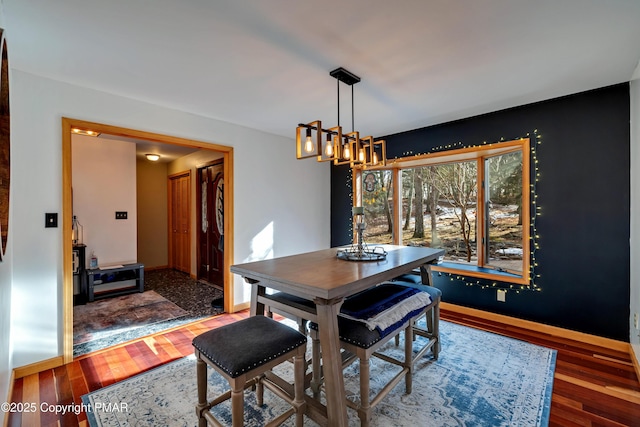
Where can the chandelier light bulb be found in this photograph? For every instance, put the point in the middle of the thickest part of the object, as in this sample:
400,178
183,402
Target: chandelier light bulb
328,149
308,144
347,152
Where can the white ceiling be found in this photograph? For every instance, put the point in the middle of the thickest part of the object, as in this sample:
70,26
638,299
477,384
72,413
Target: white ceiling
265,64
167,152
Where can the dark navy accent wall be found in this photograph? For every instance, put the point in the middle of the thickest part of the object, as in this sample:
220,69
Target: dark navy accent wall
341,203
583,193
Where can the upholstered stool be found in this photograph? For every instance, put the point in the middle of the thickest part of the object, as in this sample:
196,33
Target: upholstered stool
361,342
243,352
431,331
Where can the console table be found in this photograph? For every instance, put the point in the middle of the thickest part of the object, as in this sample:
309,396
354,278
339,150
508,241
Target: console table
97,277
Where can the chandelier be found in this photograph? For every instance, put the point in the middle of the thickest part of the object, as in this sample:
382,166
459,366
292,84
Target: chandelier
332,144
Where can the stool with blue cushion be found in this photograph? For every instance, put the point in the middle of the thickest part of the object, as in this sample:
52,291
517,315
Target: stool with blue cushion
431,331
361,342
244,352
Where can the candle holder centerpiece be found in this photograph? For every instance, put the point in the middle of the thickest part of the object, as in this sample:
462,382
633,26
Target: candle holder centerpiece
359,251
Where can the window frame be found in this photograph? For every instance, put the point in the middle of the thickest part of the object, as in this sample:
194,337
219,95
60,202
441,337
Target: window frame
478,153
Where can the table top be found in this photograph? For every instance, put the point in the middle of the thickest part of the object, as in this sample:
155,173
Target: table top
321,274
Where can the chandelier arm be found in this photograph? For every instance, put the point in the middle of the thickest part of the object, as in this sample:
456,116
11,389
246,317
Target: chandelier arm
327,131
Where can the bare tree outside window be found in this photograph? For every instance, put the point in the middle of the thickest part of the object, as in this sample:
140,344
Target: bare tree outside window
376,192
504,211
472,204
456,187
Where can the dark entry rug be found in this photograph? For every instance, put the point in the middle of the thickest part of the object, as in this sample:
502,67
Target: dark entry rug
170,299
192,295
102,318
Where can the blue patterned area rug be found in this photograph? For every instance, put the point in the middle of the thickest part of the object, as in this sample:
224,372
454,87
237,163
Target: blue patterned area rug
480,379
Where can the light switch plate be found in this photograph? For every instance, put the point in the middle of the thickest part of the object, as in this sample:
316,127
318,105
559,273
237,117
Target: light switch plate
50,220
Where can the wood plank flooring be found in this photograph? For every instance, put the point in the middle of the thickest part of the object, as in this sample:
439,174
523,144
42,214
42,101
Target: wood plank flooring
593,385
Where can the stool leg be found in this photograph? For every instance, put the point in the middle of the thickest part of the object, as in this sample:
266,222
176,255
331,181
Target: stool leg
299,366
365,406
436,330
408,357
201,374
260,391
237,402
316,380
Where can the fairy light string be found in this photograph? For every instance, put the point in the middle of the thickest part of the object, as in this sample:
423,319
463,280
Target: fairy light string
534,236
535,140
349,184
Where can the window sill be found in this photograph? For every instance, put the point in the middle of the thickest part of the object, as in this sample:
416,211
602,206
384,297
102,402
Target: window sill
480,273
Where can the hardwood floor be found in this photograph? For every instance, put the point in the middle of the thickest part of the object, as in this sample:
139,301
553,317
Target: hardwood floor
593,385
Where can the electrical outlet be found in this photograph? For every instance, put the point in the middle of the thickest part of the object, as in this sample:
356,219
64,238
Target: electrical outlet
121,215
501,295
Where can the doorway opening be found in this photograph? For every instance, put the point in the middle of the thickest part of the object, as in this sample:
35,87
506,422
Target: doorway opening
225,155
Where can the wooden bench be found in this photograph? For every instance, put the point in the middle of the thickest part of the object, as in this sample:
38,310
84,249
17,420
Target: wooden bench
97,277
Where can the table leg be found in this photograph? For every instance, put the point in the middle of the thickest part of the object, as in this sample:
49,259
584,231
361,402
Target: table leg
426,274
256,307
327,312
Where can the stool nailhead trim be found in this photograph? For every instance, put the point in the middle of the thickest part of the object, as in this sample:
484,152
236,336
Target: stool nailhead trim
255,365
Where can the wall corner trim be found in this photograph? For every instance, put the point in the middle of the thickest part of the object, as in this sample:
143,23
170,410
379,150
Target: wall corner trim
5,421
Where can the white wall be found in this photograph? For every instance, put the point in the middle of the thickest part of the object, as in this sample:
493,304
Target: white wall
151,183
284,200
634,338
104,181
5,277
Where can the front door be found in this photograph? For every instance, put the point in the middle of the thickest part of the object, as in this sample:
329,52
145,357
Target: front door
211,221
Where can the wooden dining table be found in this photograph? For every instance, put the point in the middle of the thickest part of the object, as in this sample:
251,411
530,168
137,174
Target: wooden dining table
326,280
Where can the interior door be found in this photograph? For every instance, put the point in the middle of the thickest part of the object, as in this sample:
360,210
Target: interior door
211,221
180,213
